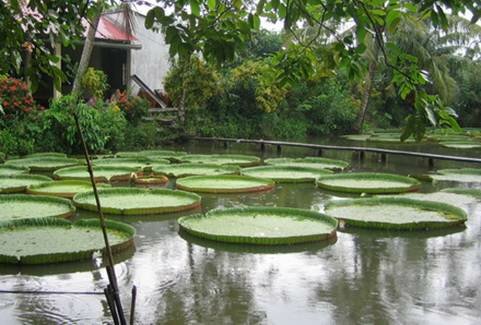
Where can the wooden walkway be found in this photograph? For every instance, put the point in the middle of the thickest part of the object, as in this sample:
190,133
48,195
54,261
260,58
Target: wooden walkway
361,150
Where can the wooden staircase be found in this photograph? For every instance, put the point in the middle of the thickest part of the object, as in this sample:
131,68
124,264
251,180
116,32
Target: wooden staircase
162,114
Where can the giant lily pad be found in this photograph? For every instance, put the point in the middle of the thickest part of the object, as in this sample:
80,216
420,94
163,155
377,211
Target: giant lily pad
473,192
235,160
46,154
65,188
101,173
18,183
311,162
22,206
53,240
459,200
468,175
139,163
44,163
135,201
152,155
356,137
461,144
261,225
10,170
368,183
182,170
224,184
395,213
282,173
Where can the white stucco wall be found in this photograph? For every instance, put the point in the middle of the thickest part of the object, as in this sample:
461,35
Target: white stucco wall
151,63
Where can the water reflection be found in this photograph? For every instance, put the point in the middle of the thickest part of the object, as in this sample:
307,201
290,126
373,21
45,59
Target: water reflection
365,277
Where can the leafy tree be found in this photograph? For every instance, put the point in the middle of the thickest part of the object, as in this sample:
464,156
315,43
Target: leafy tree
218,29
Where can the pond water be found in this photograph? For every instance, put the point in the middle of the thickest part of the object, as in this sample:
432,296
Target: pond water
364,277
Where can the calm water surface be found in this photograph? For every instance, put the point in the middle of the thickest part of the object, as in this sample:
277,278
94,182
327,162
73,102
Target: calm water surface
365,277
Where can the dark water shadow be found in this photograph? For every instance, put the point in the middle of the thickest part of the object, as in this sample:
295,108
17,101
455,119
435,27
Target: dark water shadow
63,268
257,249
417,234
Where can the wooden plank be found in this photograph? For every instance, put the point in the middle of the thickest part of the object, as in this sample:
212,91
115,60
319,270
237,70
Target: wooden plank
345,148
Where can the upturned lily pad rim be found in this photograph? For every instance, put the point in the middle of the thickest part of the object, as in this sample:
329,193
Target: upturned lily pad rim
69,207
281,211
151,180
412,184
337,164
263,184
125,173
37,188
21,170
474,192
147,153
164,169
21,188
35,163
46,154
247,160
127,230
319,171
458,216
196,201
467,171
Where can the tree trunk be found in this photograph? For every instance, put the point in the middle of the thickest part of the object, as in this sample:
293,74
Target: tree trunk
367,94
86,53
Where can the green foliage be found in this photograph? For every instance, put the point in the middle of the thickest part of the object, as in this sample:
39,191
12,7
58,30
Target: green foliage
192,83
94,83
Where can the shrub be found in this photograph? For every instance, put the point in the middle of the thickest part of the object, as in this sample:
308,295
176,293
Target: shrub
133,107
15,99
93,83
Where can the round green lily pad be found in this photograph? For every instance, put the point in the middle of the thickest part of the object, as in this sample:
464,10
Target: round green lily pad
461,144
182,170
18,183
101,173
311,162
152,154
53,240
235,160
10,170
261,226
138,163
65,188
468,175
44,163
473,192
356,137
368,183
46,154
224,184
282,173
22,206
395,213
135,201
456,199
